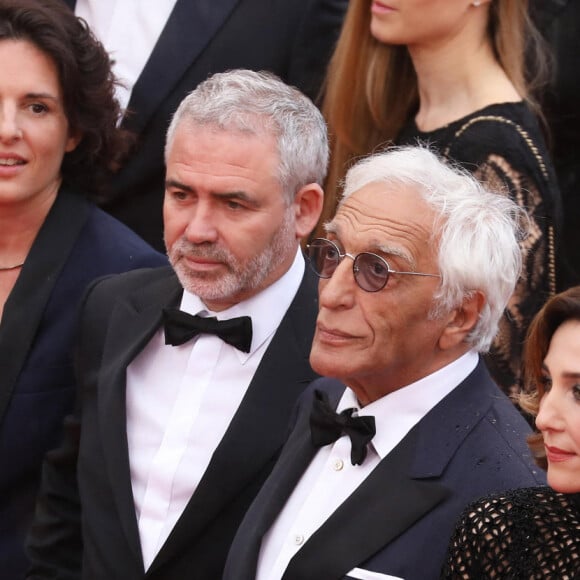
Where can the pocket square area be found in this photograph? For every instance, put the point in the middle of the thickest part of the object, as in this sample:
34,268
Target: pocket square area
360,574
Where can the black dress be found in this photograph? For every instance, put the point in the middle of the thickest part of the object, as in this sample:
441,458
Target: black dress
523,534
502,145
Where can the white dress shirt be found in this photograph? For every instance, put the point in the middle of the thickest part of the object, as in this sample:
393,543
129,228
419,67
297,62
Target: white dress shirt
331,478
180,401
129,30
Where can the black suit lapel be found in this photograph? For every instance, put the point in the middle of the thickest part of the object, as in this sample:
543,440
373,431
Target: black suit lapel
295,458
26,304
189,29
254,436
387,503
132,326
402,488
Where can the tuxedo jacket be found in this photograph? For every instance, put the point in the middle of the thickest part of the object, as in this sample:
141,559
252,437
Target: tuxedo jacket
291,38
399,520
76,244
119,317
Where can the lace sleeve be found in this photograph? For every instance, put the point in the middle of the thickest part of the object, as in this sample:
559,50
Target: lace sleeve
472,547
537,282
527,533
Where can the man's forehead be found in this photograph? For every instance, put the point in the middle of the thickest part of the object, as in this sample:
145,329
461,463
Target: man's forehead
220,154
377,202
379,218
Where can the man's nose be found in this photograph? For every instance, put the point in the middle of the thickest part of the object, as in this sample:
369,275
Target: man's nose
338,290
203,224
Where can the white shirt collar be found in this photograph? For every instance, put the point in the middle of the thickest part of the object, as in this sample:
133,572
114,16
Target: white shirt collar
266,309
398,412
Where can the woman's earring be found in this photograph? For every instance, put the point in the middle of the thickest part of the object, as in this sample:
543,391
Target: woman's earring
476,3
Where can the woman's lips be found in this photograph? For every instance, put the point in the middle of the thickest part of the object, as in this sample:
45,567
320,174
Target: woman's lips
379,8
11,164
556,455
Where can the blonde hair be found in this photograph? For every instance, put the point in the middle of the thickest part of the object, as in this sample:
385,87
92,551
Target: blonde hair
371,87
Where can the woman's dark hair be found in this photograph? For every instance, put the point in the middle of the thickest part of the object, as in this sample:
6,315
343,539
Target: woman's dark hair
557,310
87,84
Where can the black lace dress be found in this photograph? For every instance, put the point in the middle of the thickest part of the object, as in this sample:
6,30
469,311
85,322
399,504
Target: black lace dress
523,534
502,145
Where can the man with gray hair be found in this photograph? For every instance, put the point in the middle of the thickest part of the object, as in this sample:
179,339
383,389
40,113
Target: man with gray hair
188,374
407,426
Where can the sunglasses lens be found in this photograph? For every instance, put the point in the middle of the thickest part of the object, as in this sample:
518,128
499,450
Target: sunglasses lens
324,257
371,272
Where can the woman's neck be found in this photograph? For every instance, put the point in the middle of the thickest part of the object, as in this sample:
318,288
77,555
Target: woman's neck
456,79
19,226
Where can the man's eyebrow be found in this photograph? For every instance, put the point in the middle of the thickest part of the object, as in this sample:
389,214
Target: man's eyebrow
396,252
382,247
331,228
177,185
237,195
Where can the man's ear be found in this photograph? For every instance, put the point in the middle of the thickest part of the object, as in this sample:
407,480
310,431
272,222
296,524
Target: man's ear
307,208
461,321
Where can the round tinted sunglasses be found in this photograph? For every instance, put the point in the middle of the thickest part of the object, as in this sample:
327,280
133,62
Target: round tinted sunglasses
371,271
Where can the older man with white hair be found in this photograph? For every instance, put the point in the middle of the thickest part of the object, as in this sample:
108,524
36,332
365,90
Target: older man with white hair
417,267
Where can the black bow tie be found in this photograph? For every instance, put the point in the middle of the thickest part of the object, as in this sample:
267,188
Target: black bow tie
181,327
326,426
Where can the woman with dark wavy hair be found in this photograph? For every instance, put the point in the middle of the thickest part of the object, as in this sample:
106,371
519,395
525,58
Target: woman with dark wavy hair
535,532
59,142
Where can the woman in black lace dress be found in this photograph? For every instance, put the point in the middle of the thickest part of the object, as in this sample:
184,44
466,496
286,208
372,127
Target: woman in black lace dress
451,73
535,532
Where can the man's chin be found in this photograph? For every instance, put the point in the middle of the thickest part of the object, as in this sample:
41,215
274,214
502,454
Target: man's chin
204,284
207,292
324,363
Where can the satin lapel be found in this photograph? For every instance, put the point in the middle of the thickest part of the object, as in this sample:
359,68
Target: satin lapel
259,427
26,304
190,28
386,504
133,323
297,454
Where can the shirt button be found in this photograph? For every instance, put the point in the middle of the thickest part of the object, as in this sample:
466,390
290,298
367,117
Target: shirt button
338,464
298,539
